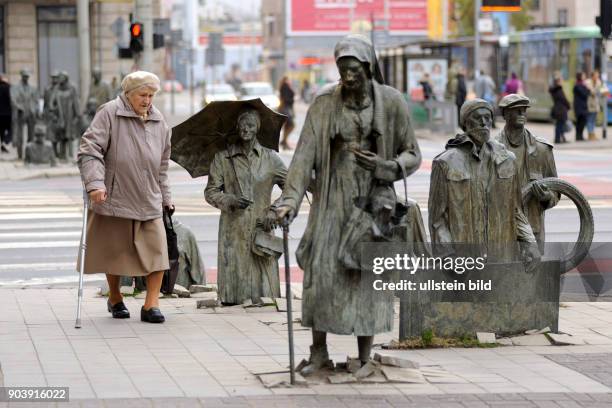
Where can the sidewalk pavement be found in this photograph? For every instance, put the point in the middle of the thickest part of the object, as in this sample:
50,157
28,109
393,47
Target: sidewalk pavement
209,357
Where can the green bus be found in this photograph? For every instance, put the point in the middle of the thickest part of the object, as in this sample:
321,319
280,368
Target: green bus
536,55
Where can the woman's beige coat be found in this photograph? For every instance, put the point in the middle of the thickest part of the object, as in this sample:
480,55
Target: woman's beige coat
128,157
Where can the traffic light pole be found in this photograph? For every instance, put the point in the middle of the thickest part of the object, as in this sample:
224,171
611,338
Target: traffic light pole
84,49
604,78
143,12
476,39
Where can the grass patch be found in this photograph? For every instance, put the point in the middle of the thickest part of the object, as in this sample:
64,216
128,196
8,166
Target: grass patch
428,339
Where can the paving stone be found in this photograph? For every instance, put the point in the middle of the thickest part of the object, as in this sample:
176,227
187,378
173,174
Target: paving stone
486,338
267,301
367,370
280,380
247,303
395,361
127,290
181,291
531,340
206,303
505,341
342,378
353,364
536,331
403,375
204,295
281,304
564,339
377,377
202,288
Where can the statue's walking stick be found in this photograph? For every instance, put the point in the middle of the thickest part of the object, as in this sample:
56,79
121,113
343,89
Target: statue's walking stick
288,296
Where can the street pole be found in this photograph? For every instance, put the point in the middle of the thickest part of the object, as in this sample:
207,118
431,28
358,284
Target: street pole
444,20
191,80
84,49
604,80
476,39
173,76
143,13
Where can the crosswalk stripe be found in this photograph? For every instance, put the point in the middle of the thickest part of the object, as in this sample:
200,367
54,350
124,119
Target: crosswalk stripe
39,226
39,234
39,266
38,244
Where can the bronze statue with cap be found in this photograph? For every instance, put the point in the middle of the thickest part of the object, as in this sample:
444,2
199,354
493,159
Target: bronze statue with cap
475,197
534,160
24,100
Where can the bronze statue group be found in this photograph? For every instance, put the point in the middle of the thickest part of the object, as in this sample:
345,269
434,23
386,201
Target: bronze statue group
356,142
51,133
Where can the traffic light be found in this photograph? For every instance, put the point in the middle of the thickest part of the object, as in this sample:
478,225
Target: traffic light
500,5
136,37
604,21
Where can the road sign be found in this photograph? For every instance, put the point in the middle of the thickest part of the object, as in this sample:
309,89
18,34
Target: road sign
118,27
501,5
161,26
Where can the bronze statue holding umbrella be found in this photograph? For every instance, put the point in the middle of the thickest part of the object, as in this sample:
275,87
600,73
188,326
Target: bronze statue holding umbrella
236,144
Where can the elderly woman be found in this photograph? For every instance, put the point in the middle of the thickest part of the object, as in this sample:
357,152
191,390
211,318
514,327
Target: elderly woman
123,159
240,184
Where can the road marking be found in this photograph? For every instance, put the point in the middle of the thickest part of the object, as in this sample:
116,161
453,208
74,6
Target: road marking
41,234
46,266
39,244
39,225
56,280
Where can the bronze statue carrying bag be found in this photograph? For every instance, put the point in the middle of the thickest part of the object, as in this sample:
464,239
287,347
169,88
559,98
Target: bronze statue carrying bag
171,274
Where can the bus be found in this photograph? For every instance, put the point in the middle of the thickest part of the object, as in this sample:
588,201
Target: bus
536,55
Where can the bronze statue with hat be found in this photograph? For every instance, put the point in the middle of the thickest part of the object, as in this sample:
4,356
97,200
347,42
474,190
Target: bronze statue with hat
475,195
24,99
534,160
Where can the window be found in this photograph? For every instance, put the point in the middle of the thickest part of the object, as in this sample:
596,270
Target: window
562,17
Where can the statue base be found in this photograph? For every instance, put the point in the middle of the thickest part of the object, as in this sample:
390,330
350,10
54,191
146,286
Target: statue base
517,301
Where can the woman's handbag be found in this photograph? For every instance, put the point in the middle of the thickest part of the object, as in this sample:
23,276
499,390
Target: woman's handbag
171,274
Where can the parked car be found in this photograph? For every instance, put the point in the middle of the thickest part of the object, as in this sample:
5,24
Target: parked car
219,92
262,90
168,84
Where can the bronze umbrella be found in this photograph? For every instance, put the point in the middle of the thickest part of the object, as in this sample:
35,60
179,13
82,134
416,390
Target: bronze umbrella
196,141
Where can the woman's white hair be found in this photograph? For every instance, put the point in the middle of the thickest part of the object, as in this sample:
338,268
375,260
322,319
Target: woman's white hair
140,79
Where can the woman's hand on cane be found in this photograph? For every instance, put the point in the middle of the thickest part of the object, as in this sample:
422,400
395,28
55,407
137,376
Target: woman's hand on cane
97,196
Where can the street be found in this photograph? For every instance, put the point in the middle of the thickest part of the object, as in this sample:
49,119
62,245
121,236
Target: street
40,219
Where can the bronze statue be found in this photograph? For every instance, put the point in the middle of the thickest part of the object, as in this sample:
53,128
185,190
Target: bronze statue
99,90
65,106
49,116
534,160
40,151
357,136
25,109
475,195
240,184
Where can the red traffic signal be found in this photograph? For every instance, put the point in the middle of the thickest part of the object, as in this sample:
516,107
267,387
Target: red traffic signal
136,37
501,5
136,29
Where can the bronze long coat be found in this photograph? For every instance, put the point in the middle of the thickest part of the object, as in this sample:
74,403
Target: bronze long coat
538,162
475,200
333,300
242,274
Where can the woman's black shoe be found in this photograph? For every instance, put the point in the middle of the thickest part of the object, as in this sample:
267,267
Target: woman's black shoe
118,310
153,315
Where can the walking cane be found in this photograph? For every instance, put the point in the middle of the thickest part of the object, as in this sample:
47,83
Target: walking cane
82,248
288,295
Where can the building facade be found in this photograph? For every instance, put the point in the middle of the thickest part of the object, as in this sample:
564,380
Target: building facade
42,36
564,13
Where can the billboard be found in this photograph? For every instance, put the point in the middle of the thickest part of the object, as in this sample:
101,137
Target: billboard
336,17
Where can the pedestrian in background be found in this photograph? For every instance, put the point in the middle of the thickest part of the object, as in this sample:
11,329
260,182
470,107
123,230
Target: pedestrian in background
598,91
427,88
5,113
484,88
581,106
513,85
123,159
286,96
559,110
461,92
